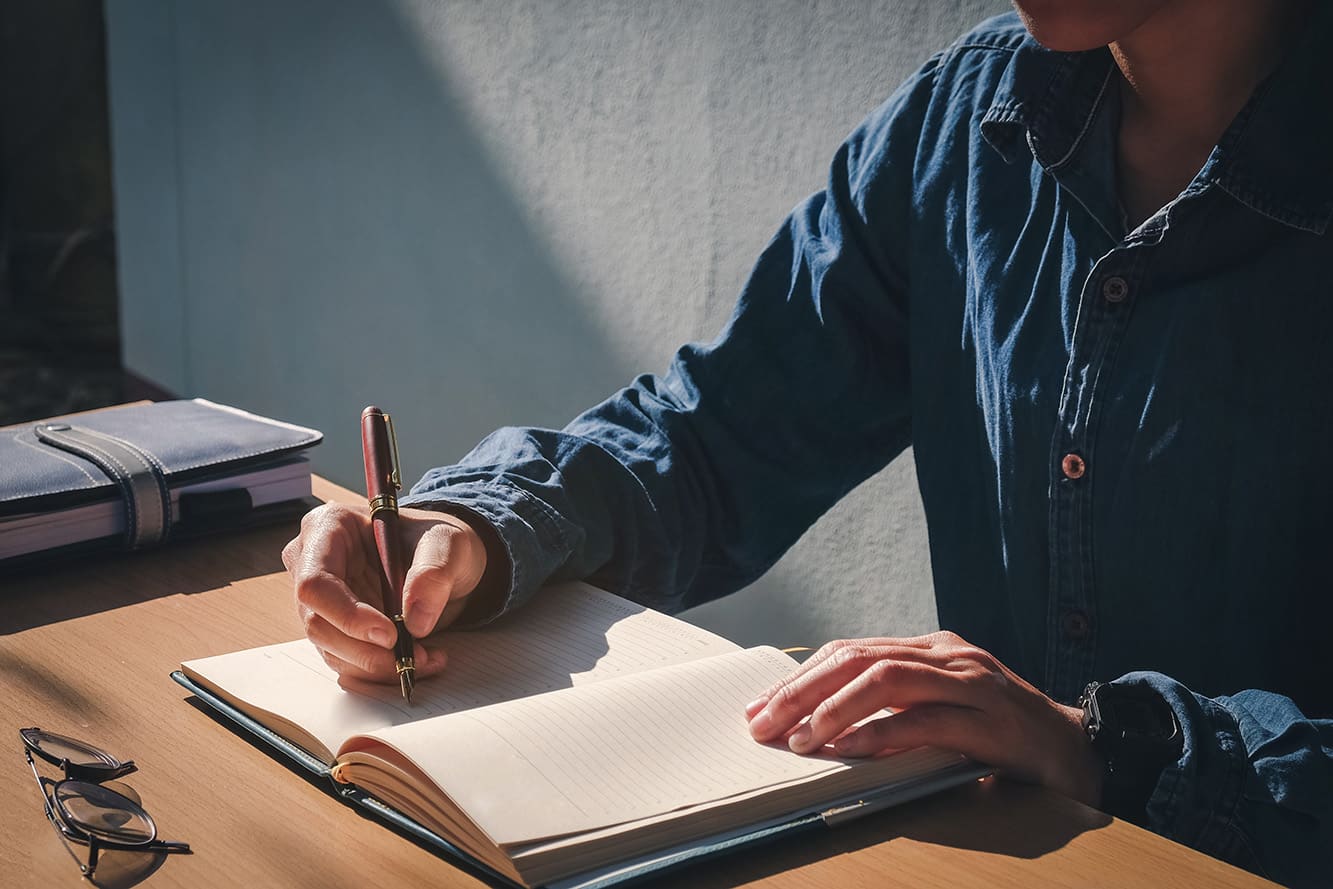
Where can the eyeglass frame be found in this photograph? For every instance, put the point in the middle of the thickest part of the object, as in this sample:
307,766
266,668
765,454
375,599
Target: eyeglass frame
67,826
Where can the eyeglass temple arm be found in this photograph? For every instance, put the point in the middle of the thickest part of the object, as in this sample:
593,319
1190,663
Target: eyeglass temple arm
41,786
96,847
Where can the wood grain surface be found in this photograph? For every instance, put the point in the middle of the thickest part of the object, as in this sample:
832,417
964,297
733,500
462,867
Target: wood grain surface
86,649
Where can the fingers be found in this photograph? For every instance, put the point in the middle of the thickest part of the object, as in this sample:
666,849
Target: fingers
947,694
332,532
448,562
337,596
360,660
839,649
855,680
337,579
320,572
961,729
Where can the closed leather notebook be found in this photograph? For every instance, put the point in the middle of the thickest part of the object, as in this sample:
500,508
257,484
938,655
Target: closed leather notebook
137,475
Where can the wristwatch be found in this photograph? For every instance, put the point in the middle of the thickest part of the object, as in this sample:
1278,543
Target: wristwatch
1138,735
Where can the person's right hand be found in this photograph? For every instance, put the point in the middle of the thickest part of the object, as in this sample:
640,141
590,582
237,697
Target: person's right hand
335,571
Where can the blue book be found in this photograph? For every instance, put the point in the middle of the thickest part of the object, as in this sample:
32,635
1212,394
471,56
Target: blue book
581,741
138,475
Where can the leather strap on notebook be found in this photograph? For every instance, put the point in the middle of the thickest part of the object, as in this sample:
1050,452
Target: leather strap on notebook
136,472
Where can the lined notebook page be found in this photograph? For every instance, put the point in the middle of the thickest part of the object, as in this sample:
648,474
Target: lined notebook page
621,750
570,634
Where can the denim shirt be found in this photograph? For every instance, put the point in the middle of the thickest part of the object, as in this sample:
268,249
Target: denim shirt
1122,437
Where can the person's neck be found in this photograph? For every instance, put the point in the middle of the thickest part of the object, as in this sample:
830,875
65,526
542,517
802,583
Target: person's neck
1185,74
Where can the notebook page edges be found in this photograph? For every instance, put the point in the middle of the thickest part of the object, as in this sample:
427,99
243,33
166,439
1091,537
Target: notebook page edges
588,757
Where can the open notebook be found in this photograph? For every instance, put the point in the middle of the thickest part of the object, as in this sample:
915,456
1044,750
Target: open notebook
582,739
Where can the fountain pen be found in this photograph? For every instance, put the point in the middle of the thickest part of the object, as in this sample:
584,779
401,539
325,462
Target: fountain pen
379,450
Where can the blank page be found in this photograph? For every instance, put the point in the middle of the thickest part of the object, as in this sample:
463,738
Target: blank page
571,634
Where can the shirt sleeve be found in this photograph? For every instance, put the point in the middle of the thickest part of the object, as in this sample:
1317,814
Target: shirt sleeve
1253,785
685,487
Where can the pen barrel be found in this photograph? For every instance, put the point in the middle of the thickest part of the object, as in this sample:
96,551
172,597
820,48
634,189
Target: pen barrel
377,454
384,524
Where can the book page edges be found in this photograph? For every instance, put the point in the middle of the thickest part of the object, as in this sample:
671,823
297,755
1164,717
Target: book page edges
836,796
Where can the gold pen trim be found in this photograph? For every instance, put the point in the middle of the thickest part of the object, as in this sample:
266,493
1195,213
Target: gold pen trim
383,501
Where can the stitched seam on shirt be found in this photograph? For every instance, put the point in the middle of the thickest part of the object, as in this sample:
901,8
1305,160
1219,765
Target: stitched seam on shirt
989,47
1244,189
1264,206
1087,123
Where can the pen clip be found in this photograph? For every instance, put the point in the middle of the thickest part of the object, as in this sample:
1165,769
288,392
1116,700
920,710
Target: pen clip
395,477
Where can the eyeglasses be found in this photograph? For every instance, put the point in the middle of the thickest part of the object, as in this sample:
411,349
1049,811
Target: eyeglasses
90,807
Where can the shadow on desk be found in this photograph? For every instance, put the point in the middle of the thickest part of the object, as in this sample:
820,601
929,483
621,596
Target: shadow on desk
945,819
116,868
41,594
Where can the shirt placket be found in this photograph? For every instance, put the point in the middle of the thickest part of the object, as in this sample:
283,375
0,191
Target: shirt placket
1105,301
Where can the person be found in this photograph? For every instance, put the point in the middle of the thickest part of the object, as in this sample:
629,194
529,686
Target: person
1080,262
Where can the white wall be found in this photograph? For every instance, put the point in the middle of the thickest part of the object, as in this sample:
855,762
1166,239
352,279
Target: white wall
487,213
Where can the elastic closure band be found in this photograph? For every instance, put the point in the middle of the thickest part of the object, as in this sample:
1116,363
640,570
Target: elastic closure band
138,474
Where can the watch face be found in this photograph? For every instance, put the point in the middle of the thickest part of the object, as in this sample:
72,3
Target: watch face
1135,712
1138,717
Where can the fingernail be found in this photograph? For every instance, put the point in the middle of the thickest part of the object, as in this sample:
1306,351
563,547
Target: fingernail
755,706
379,636
799,739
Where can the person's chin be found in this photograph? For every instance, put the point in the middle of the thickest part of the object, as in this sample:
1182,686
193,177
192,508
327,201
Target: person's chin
1078,25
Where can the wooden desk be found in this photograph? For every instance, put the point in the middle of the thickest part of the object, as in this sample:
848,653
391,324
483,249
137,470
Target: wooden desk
85,650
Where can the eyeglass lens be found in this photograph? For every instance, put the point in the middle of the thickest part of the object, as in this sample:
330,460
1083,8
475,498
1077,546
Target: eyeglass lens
104,813
59,747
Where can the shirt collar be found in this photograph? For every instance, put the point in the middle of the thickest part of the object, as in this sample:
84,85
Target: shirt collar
1276,157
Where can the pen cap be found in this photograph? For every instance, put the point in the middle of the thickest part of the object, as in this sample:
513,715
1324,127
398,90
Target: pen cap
379,453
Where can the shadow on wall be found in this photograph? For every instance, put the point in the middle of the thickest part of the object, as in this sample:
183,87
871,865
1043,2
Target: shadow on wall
348,241
346,237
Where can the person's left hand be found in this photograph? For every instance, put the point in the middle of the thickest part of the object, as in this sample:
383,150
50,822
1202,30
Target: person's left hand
945,693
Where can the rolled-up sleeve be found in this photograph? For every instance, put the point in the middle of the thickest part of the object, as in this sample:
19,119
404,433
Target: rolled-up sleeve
1253,785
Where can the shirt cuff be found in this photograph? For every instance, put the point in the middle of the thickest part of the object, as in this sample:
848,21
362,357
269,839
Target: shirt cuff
522,539
1197,798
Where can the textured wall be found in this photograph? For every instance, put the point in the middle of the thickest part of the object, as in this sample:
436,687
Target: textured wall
489,213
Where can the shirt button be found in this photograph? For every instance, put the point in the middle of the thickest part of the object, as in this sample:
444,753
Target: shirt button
1075,625
1114,289
1073,466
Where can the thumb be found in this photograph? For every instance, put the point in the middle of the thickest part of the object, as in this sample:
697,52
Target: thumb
447,564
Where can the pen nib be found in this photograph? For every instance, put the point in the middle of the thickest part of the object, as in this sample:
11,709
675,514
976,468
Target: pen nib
407,682
405,662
